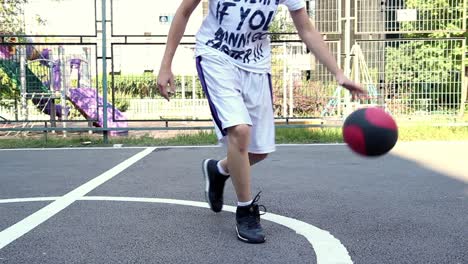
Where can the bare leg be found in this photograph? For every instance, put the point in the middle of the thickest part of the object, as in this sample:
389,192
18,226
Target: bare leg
238,161
254,158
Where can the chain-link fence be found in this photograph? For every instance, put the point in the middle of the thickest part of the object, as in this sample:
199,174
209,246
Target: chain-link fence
302,86
415,77
326,15
410,16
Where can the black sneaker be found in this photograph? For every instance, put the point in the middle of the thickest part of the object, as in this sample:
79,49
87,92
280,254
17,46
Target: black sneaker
248,223
214,184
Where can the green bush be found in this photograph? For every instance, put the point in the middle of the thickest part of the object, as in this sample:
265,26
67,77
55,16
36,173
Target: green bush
144,86
9,88
122,104
309,97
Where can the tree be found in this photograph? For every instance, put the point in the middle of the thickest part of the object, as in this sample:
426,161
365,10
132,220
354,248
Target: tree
11,25
445,15
281,25
11,22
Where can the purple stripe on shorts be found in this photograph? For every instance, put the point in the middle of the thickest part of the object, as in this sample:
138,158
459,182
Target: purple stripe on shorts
214,112
271,88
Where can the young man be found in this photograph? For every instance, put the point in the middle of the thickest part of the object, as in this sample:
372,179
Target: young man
233,62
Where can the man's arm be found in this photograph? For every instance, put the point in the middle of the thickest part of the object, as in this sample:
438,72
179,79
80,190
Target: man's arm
317,46
176,32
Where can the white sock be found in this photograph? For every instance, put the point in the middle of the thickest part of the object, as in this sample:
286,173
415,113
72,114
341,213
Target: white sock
244,203
221,170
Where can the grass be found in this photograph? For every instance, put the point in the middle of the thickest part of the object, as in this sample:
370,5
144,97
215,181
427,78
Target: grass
405,133
201,138
423,133
308,135
283,136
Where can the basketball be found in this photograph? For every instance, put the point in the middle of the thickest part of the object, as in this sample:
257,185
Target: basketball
370,132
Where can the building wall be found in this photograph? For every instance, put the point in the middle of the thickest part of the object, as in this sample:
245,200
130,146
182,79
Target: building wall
151,19
148,16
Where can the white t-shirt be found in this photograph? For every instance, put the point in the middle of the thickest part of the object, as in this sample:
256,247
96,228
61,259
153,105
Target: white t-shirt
238,29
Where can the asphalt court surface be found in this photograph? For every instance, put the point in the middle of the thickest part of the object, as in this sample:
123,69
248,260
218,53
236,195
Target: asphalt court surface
386,210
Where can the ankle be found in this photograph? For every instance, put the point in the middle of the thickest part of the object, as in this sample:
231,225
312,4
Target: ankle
221,168
244,204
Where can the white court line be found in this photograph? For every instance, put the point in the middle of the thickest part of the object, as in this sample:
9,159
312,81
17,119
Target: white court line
166,147
24,226
76,148
218,146
27,200
311,145
328,249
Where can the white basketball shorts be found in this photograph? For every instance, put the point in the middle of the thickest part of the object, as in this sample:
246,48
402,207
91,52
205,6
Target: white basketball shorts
238,97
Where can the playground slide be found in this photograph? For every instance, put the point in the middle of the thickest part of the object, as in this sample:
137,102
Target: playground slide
84,99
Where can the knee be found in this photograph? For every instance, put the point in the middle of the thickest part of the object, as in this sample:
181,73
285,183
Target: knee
239,131
240,136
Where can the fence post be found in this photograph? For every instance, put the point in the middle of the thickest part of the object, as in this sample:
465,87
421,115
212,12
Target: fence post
24,99
464,81
465,15
16,107
64,88
291,88
285,86
104,71
347,66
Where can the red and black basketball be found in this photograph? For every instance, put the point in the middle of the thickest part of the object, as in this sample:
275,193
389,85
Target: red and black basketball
370,131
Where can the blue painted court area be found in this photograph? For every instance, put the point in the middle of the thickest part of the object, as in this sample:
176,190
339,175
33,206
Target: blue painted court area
146,205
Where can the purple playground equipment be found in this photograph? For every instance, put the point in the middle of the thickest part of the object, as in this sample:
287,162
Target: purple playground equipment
4,52
90,105
45,104
86,100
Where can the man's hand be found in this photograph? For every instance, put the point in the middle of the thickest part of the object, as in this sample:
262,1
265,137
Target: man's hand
165,79
354,88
